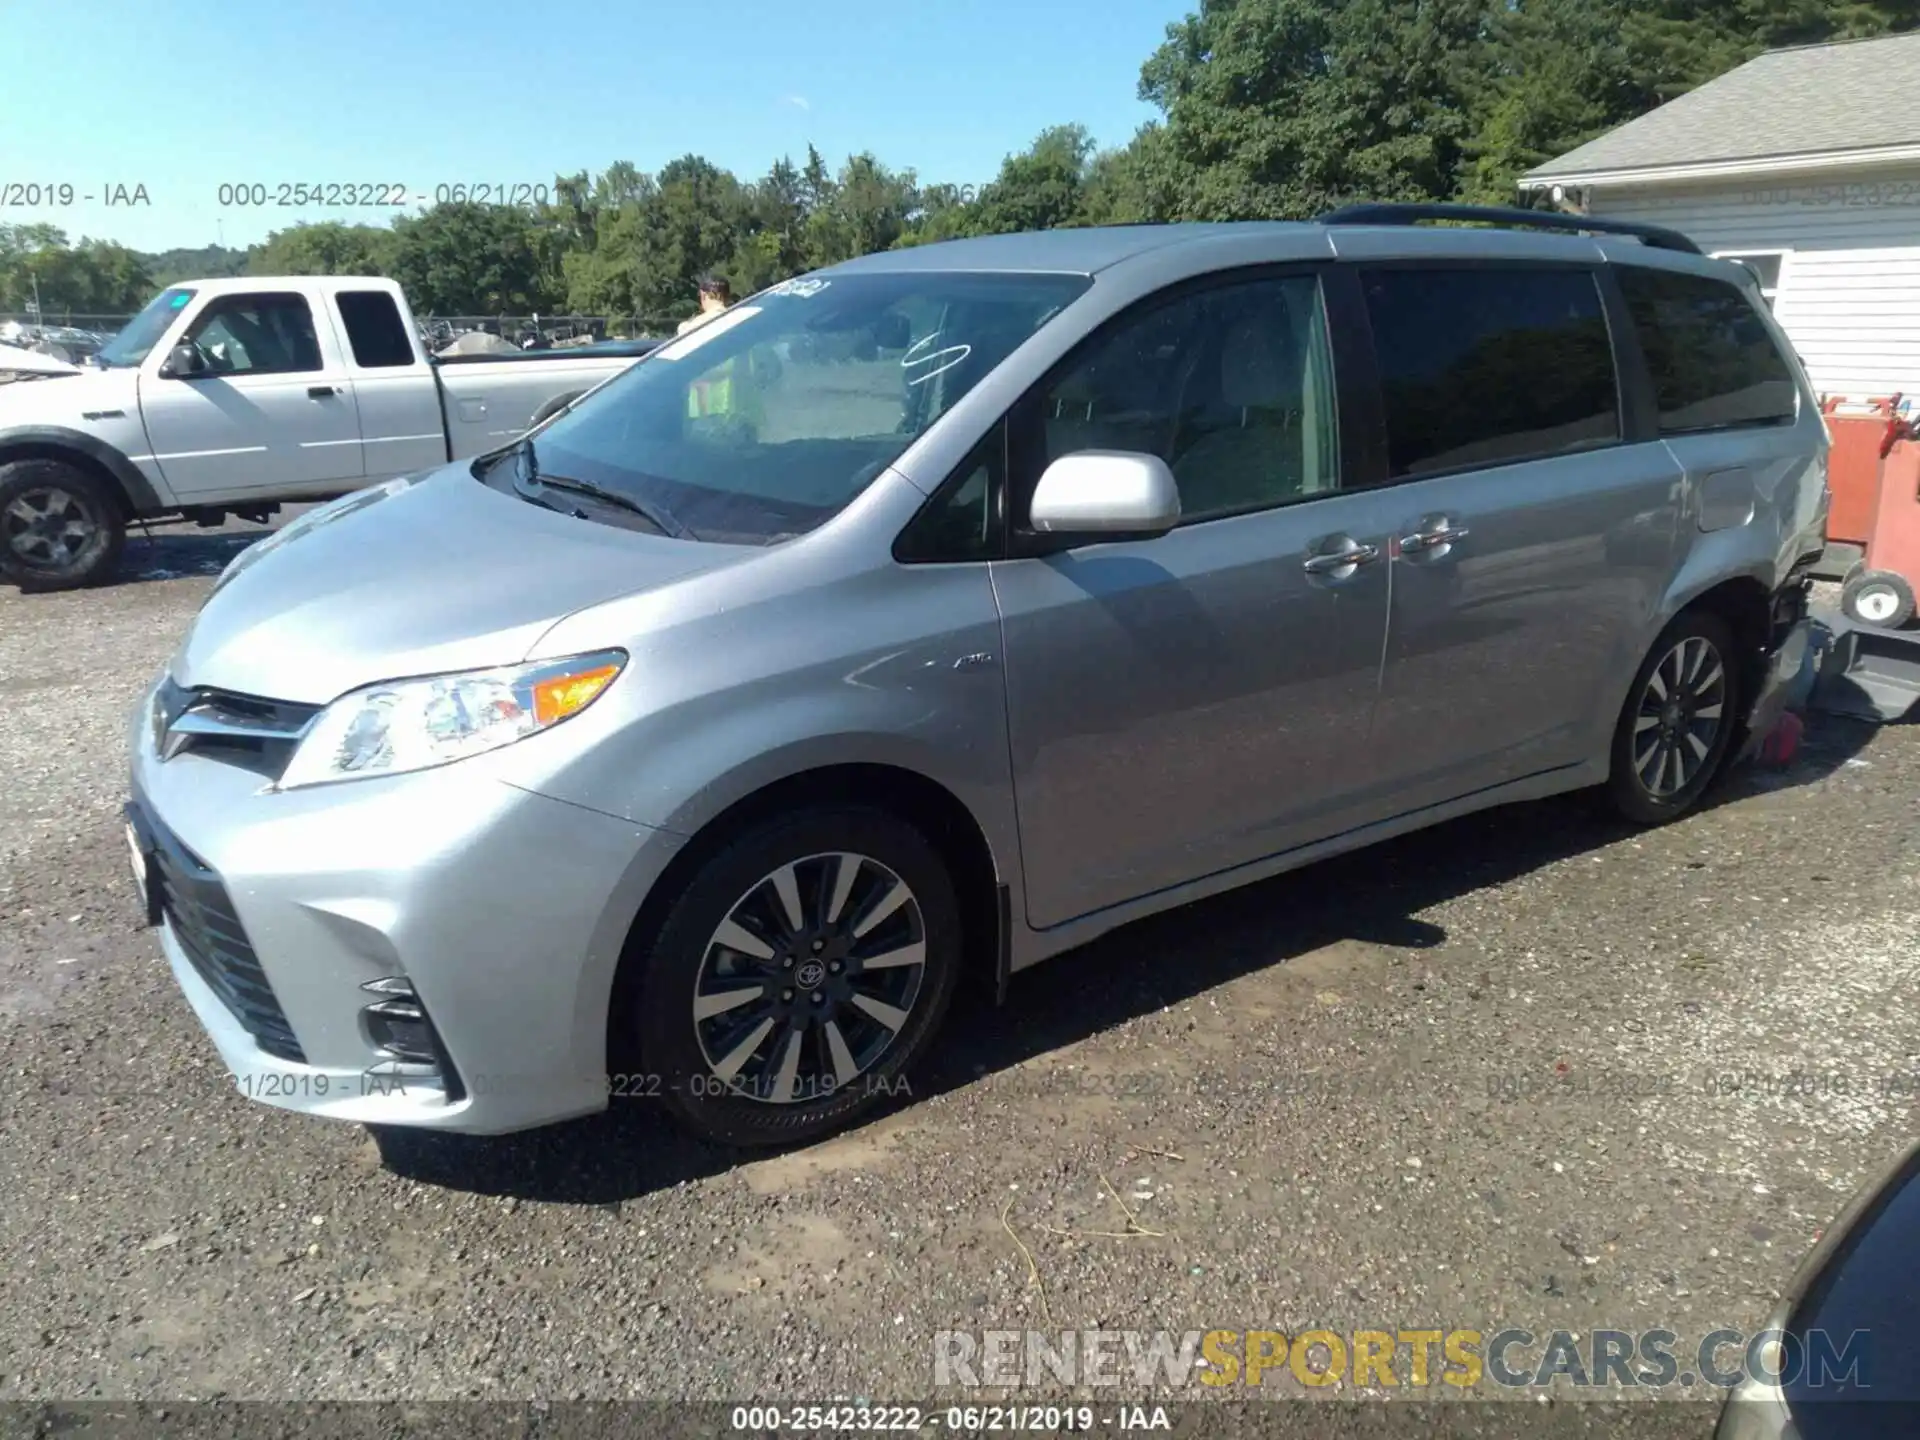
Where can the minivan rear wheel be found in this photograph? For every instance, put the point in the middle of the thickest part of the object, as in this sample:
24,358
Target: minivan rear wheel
805,967
1679,719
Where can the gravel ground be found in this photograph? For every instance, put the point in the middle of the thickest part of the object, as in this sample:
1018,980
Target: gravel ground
1521,1070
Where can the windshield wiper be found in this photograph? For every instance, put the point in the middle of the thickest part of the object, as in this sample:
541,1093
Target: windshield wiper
653,515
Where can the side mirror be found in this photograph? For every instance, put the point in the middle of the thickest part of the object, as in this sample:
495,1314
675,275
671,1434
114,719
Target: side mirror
1094,495
183,362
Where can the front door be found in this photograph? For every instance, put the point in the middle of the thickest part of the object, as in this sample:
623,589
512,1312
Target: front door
1531,542
270,414
1181,706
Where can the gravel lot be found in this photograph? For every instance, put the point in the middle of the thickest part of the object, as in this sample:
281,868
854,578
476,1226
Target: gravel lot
1470,1078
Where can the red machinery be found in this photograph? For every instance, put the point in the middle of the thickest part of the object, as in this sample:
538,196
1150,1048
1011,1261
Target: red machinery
1853,470
1880,589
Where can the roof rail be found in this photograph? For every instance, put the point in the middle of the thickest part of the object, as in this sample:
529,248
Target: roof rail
1657,236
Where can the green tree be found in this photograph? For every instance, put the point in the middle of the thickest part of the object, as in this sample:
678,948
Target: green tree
686,230
326,248
93,277
205,262
469,259
1278,109
1131,185
1040,187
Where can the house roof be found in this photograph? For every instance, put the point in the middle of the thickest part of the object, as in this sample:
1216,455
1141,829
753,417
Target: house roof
1856,95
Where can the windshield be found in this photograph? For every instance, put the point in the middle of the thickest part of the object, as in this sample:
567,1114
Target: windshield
140,334
768,419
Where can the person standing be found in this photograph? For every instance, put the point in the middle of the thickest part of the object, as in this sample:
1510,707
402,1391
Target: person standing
715,295
726,395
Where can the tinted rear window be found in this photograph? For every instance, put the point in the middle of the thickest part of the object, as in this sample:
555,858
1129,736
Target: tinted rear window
375,331
1490,365
1714,365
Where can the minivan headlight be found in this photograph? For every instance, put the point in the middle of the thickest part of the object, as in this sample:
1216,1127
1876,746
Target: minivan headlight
402,725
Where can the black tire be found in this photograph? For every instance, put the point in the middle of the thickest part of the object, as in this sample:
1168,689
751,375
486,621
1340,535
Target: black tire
655,1025
1635,741
61,526
553,407
1880,598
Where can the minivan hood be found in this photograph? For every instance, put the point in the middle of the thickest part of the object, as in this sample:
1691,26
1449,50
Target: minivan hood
443,574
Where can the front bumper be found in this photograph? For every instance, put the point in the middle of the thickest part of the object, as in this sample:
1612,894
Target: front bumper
504,911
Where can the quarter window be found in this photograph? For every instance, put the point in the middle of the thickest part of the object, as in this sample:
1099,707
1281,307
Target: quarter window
375,332
1764,266
1491,365
1714,365
258,335
1231,386
958,523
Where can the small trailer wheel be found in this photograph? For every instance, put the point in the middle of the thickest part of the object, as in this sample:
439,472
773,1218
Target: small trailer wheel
1877,597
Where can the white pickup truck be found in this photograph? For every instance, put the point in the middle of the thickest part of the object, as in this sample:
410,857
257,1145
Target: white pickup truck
228,397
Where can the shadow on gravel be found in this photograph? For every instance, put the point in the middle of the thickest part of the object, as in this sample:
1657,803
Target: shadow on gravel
1371,895
174,551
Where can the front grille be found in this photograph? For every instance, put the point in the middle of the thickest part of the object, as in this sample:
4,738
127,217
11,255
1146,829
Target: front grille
196,906
245,730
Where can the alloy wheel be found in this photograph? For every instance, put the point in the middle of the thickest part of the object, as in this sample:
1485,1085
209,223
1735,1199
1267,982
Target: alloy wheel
1678,720
810,978
48,528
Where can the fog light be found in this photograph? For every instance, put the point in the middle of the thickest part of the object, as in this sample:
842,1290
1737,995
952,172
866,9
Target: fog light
397,1026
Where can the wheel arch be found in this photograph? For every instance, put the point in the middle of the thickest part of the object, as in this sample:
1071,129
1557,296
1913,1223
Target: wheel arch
1745,603
933,809
550,408
85,452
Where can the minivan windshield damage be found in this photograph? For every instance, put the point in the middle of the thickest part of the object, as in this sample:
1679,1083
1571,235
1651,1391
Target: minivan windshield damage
770,418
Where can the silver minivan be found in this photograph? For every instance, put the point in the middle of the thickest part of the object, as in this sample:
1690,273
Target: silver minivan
920,618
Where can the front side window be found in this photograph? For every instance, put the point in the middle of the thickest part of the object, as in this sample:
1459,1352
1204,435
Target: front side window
1714,365
768,419
258,335
1490,365
139,335
1231,386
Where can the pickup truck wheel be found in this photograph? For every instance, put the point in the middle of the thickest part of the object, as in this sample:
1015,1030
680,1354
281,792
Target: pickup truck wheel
61,527
1679,719
803,968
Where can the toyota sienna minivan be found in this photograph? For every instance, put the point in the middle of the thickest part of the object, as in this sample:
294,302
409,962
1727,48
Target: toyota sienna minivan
919,618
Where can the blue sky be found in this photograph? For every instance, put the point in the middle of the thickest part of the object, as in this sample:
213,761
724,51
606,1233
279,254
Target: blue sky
179,97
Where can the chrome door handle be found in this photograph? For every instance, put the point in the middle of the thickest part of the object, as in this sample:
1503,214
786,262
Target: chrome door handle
1335,562
1434,539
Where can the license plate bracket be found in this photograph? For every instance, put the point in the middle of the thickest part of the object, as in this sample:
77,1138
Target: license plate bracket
141,861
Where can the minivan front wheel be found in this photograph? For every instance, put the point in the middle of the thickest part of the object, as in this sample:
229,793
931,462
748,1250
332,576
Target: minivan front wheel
1679,719
804,968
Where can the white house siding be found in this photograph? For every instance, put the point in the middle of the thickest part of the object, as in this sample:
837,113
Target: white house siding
1849,290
